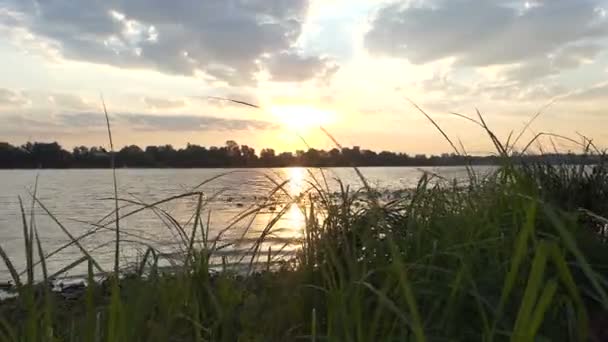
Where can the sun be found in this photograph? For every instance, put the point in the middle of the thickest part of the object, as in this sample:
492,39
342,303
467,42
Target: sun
299,117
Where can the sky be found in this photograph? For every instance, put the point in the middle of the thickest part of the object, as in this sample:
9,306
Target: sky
355,67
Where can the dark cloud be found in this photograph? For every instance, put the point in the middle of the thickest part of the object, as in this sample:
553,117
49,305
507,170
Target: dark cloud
480,33
224,39
293,67
160,103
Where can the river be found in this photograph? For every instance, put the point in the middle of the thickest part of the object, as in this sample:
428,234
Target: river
81,200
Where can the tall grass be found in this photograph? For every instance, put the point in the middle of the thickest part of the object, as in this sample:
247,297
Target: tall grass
518,255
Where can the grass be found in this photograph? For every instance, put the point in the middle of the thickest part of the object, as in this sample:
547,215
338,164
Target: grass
518,255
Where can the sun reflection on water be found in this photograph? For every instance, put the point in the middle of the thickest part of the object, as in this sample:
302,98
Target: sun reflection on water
296,180
294,219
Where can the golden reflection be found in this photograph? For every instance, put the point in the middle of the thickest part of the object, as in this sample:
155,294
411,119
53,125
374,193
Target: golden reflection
293,220
296,222
296,180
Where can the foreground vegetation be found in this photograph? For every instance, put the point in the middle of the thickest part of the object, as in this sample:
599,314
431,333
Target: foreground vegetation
518,255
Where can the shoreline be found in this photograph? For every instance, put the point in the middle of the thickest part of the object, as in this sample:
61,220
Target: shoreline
290,167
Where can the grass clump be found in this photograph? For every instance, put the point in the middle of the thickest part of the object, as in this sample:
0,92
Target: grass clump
509,257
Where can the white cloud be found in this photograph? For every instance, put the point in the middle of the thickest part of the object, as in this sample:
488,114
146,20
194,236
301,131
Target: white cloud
68,101
10,98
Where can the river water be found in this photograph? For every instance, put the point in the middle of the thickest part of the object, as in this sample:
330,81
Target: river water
81,201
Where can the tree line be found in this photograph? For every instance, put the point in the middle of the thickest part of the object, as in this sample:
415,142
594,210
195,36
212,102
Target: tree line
53,155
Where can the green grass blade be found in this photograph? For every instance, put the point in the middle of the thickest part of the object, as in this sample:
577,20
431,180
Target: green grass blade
568,281
41,255
7,332
29,253
571,245
530,298
11,268
390,304
400,269
149,252
199,206
517,258
544,303
115,186
69,267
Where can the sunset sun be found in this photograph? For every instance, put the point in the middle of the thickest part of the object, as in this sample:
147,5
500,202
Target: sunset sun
300,117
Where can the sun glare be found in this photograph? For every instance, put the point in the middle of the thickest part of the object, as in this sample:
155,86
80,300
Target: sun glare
302,117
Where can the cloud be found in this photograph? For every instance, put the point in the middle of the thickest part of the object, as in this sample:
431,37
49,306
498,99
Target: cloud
14,122
225,40
160,103
293,67
543,92
136,121
598,92
574,55
223,101
481,33
444,84
68,101
569,57
83,120
11,98
188,123
40,122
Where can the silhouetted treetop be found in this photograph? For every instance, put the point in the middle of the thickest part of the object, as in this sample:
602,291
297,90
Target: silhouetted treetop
52,155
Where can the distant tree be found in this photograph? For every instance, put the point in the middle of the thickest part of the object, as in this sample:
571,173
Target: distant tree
52,155
267,153
248,154
233,149
285,159
80,151
267,157
311,157
48,155
131,156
